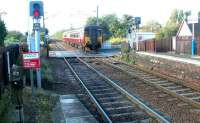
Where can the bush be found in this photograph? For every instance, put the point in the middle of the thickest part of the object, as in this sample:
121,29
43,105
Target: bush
127,58
5,107
3,32
43,103
117,40
125,47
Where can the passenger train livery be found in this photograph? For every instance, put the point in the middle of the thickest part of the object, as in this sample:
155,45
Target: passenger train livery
87,38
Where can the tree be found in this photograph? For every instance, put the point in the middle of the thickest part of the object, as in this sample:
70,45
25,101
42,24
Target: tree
187,14
58,35
151,26
15,37
43,33
127,21
105,23
112,25
3,32
172,25
91,21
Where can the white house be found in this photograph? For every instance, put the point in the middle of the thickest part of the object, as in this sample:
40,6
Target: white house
139,36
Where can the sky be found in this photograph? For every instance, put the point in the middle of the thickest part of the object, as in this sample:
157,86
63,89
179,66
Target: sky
62,14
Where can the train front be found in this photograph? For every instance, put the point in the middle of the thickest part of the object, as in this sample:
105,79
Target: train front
93,37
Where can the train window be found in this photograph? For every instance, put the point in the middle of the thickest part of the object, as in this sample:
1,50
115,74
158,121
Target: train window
86,33
99,32
93,31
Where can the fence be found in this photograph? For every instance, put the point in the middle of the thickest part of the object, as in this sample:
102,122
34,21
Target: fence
1,69
184,44
1,64
153,45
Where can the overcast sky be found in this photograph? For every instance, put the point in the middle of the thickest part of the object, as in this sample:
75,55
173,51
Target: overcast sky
61,14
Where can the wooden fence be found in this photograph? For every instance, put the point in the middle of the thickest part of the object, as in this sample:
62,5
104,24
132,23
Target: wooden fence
1,64
153,45
184,44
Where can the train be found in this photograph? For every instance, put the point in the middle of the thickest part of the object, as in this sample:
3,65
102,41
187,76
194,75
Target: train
88,38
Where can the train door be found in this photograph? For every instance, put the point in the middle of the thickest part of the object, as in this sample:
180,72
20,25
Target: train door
85,39
100,36
93,35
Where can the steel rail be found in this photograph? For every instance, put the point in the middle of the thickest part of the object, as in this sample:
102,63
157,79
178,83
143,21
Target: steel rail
132,98
173,93
90,94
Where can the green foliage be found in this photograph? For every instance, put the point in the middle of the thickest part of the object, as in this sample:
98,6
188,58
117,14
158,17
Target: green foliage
172,26
14,37
91,21
126,22
3,32
112,25
117,40
151,26
43,103
58,35
125,48
127,58
103,23
167,32
46,71
5,107
42,36
43,32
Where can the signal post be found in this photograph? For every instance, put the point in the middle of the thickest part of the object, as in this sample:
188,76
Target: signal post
36,12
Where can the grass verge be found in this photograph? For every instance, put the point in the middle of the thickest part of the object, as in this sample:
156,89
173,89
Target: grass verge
38,109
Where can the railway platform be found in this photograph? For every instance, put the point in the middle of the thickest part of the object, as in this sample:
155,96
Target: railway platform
71,110
178,58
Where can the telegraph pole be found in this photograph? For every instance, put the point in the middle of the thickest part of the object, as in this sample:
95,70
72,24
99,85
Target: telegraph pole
2,13
97,15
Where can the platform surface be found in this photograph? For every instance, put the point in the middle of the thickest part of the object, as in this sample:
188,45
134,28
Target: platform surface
73,111
173,58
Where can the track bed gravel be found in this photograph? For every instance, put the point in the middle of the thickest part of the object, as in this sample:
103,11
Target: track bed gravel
175,109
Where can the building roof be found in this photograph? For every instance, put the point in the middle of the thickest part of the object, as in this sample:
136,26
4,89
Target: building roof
185,29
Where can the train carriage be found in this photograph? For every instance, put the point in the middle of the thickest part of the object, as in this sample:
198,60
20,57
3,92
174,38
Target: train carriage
88,38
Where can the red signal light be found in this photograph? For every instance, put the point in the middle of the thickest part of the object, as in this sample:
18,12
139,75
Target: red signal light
36,13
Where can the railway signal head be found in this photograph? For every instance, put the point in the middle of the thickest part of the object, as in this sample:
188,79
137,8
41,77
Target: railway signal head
129,30
36,9
138,20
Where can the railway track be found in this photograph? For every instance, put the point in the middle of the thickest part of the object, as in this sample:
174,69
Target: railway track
113,102
59,46
182,92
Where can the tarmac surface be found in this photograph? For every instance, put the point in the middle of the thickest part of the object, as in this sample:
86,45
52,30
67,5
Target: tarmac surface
80,53
176,58
71,110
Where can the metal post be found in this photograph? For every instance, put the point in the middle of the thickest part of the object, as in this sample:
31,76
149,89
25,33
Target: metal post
44,29
37,38
37,49
136,37
97,15
193,40
8,65
39,78
32,82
